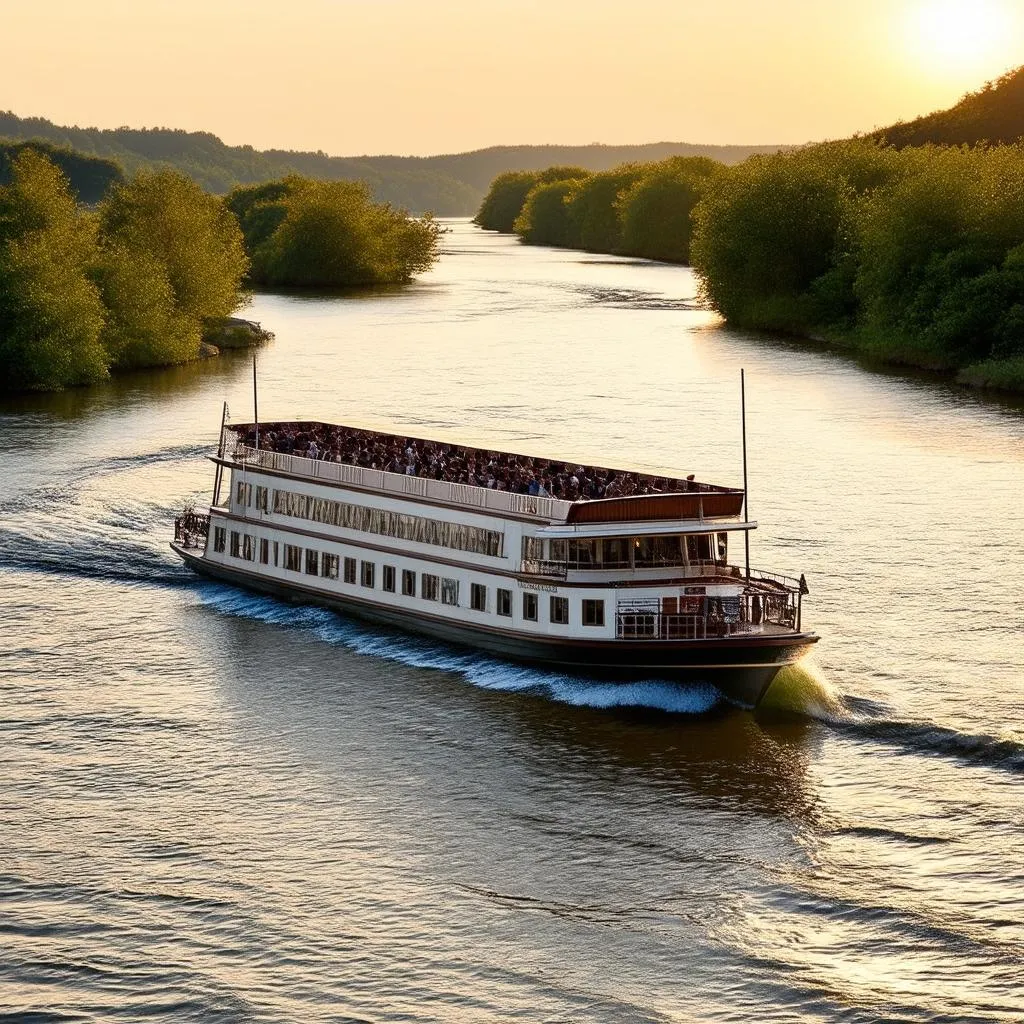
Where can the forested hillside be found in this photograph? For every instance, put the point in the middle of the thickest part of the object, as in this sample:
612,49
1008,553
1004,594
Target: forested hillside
993,114
89,176
447,185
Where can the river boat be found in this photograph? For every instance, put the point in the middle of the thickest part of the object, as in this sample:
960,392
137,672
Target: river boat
576,568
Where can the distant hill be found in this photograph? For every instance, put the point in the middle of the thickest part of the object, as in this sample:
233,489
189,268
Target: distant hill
90,176
481,166
995,114
450,185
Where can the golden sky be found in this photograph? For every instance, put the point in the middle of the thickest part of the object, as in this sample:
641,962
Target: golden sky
414,77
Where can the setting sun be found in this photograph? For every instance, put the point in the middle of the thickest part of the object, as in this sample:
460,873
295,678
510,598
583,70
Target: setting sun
961,33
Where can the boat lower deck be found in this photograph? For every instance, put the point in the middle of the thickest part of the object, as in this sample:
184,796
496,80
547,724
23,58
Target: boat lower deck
741,665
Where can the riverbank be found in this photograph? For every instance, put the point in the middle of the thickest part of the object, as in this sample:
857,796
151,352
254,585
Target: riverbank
911,256
1002,375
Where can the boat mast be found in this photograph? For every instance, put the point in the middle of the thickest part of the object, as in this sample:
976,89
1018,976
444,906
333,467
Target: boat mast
220,455
746,502
255,404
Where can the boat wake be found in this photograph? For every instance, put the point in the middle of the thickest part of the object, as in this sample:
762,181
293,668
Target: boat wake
804,689
1002,752
477,669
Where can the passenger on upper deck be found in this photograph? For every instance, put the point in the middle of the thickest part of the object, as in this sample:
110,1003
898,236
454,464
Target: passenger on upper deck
520,474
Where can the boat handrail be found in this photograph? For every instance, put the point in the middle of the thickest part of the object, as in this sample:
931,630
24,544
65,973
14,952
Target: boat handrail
547,509
699,616
787,582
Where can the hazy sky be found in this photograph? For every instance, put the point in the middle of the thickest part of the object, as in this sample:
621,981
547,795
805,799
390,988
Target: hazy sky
405,76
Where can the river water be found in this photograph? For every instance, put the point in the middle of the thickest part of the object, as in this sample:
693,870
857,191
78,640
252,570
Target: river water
217,807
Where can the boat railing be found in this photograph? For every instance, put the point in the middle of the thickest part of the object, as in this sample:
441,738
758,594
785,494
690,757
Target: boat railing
786,582
191,529
696,617
548,509
541,567
696,569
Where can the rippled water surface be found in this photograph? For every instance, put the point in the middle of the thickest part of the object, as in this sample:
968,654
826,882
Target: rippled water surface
218,807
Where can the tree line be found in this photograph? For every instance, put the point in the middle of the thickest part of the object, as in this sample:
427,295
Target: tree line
137,280
636,209
449,184
911,255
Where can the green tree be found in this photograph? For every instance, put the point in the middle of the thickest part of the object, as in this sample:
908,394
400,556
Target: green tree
307,233
655,212
504,200
190,232
50,310
545,217
939,272
592,207
765,231
507,195
144,325
259,209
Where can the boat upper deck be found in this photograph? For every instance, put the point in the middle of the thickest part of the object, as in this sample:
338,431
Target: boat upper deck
554,490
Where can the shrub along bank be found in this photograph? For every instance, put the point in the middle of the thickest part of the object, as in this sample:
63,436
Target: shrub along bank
633,210
138,281
911,256
130,285
300,232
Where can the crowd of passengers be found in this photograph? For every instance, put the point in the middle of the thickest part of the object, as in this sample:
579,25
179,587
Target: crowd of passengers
520,474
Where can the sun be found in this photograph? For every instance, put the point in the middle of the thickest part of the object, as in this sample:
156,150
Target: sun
959,34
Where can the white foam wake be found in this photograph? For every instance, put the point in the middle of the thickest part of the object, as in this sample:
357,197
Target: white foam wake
480,670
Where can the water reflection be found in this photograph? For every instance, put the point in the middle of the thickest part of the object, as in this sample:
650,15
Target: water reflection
722,759
411,831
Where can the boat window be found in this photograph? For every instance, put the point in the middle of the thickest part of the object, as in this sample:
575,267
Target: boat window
312,562
428,587
261,498
615,553
244,493
366,573
478,597
449,591
388,581
559,550
293,557
698,548
264,550
583,553
275,552
593,613
723,548
654,552
350,570
418,529
560,610
504,602
530,607
408,583
533,549
329,566
249,547
219,536
235,544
